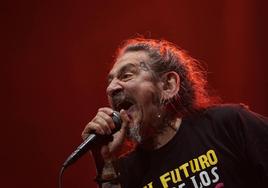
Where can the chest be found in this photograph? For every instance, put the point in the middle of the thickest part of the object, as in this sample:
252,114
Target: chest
195,161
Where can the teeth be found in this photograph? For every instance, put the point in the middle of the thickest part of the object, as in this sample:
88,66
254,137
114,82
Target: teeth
124,105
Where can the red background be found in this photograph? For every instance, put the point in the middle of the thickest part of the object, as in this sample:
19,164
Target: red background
56,56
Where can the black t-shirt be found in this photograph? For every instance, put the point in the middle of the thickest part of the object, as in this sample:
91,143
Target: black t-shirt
225,146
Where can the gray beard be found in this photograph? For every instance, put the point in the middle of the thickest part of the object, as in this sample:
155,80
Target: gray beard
134,133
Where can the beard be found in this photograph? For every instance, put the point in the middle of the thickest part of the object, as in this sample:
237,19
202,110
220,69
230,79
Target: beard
133,133
145,123
140,130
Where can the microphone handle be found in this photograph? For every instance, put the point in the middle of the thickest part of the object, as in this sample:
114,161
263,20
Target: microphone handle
94,140
85,146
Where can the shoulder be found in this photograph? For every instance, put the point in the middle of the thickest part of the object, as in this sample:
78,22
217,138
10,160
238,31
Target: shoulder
220,119
235,117
226,111
239,111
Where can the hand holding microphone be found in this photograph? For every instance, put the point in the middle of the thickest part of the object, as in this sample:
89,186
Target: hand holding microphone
98,132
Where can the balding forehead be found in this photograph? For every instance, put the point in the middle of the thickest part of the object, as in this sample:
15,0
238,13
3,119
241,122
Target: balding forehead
128,60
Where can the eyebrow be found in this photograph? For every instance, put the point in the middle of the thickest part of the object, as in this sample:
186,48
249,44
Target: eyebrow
120,71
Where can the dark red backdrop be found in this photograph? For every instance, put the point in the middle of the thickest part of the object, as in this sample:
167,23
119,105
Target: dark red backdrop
54,64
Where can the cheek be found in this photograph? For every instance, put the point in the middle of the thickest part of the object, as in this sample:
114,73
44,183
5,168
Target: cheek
149,105
149,95
145,91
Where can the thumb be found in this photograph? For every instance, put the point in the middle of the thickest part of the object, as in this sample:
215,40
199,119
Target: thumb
125,119
119,136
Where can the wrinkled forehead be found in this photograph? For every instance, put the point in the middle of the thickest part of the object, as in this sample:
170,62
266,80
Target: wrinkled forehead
129,59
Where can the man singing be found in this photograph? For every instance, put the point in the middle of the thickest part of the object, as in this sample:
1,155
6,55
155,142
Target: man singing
173,133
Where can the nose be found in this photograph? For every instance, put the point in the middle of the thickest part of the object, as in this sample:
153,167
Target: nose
114,87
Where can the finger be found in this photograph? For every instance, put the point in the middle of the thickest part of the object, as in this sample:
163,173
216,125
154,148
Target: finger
92,127
106,110
120,135
87,130
125,118
108,119
103,124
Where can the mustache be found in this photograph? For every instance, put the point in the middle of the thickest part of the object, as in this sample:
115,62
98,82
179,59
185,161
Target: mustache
120,99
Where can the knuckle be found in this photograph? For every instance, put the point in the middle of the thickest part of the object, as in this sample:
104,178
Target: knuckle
105,110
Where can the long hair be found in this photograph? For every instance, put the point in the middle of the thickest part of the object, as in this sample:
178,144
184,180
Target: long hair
165,56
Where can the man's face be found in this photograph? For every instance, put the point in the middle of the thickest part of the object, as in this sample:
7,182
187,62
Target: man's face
132,88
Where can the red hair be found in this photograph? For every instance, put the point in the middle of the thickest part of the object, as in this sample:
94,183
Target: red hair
165,56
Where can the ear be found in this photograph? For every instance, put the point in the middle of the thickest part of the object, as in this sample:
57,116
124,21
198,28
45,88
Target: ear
170,84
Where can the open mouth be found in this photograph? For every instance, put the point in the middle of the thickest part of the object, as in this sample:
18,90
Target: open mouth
125,104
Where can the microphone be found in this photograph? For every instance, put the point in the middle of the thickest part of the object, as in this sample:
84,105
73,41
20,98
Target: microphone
94,140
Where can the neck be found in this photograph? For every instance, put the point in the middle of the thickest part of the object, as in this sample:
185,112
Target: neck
161,138
164,137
